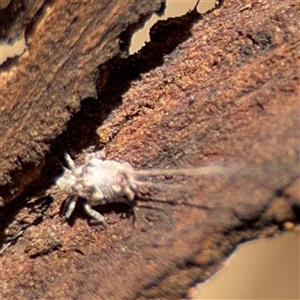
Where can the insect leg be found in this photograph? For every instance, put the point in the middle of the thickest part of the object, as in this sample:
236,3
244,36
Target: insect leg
94,214
69,207
70,162
130,195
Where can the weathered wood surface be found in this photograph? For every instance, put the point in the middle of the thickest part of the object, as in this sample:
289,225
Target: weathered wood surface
39,91
229,92
15,16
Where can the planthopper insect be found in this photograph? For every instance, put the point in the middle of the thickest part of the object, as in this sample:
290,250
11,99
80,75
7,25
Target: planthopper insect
101,181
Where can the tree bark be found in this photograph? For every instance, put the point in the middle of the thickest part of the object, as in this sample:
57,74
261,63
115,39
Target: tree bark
218,88
40,90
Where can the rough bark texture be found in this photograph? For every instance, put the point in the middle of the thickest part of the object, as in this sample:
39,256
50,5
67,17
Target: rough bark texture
66,42
218,88
15,16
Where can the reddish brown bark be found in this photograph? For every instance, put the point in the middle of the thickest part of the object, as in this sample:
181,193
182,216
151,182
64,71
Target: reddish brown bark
43,87
229,91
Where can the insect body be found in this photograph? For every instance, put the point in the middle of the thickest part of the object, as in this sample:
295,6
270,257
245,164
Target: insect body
101,181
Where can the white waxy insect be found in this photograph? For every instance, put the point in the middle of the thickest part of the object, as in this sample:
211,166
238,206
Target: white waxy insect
101,181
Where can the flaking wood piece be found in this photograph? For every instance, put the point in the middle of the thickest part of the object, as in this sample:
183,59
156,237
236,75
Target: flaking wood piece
40,90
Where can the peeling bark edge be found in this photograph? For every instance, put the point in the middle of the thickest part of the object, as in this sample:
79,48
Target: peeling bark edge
17,174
